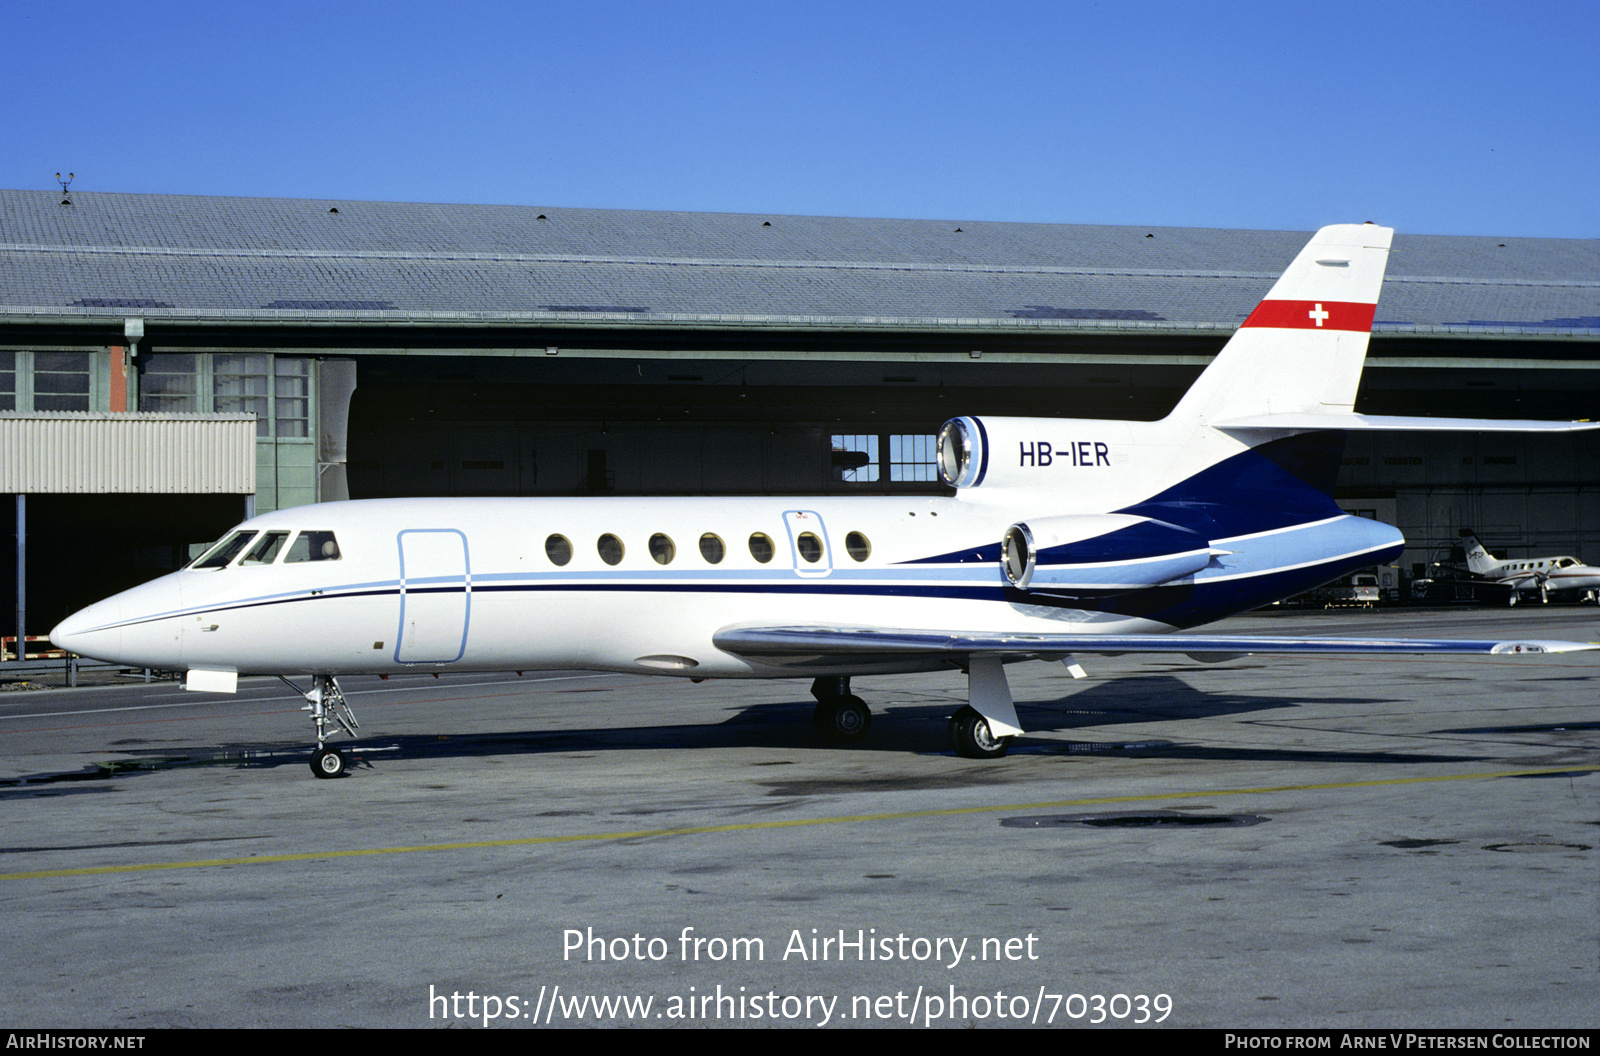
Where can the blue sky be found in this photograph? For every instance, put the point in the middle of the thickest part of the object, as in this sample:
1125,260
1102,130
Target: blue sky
1442,118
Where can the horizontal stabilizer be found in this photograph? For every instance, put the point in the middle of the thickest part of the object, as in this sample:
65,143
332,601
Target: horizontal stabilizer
777,644
1305,423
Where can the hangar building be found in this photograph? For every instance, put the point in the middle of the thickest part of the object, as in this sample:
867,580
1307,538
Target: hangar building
380,348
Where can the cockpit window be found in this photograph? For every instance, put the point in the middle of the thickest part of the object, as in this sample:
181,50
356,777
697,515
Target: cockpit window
223,553
313,546
266,549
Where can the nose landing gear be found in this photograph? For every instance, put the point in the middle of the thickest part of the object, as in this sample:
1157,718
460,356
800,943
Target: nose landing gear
325,701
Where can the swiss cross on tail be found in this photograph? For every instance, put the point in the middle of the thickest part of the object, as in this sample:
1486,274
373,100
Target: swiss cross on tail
1313,315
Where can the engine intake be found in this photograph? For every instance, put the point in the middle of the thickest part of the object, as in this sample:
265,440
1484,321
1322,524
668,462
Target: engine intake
1033,452
1099,553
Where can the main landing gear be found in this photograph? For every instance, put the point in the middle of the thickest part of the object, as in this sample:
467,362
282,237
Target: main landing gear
984,728
325,701
839,717
971,736
981,730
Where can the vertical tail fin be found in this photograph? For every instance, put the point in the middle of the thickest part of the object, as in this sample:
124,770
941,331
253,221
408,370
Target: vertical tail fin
1478,559
1302,349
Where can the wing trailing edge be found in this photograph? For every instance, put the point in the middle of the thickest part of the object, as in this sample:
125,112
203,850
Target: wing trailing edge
775,645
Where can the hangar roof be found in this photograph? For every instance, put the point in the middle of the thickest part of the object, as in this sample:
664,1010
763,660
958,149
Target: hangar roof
88,256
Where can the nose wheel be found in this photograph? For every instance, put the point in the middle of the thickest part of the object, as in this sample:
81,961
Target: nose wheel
327,762
325,701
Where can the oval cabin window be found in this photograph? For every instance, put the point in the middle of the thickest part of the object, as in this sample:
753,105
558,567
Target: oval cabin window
810,547
558,549
761,547
662,549
711,548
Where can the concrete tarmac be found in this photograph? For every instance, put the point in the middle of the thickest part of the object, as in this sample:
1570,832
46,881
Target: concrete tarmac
1399,843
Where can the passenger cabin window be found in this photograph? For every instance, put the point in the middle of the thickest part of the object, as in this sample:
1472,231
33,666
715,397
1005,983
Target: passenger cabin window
761,547
810,547
610,548
221,555
558,549
313,546
857,546
662,549
266,549
712,549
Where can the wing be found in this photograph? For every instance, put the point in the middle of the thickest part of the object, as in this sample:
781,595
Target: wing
802,646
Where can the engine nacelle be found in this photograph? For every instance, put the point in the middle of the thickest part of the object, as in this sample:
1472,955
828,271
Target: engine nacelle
1099,553
1028,452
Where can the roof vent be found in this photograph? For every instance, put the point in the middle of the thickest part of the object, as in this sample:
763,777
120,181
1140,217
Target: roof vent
334,210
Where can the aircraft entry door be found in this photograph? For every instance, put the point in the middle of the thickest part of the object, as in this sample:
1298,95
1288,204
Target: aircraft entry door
435,596
808,543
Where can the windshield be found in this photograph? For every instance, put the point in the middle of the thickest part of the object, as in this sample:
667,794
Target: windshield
220,555
266,549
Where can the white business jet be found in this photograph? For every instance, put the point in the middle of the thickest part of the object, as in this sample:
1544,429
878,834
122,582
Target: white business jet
1547,575
1063,537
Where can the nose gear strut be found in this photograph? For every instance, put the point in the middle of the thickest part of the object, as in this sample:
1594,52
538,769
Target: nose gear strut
325,701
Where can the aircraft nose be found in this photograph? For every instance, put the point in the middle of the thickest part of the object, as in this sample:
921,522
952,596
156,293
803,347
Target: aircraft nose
91,632
139,627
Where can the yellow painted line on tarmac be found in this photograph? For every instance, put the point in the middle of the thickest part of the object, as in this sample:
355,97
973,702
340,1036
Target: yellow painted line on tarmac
750,826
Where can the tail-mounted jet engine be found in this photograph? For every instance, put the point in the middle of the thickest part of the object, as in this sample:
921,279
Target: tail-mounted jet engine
998,453
1099,554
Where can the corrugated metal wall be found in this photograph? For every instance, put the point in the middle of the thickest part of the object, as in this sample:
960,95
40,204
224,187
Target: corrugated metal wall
96,453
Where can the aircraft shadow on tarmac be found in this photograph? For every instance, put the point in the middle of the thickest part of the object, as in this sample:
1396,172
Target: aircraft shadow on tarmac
906,727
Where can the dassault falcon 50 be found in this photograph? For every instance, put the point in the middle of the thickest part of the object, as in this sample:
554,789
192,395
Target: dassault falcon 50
1062,537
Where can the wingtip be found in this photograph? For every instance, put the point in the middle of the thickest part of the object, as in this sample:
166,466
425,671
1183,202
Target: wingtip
1512,648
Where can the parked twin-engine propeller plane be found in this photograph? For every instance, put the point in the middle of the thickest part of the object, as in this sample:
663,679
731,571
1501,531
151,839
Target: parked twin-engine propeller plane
1063,537
1547,575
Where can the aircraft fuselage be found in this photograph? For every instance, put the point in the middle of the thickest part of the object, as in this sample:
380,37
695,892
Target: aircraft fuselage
642,585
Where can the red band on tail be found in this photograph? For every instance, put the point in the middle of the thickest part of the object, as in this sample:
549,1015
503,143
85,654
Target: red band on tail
1313,315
